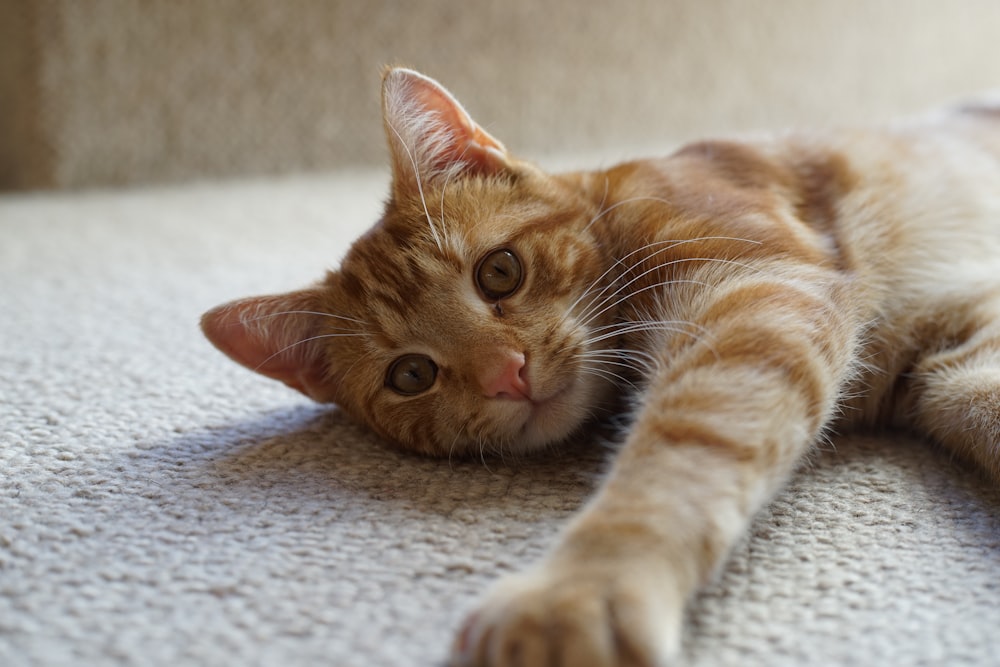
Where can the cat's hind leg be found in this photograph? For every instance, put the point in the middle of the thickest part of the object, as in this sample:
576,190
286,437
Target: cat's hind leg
955,392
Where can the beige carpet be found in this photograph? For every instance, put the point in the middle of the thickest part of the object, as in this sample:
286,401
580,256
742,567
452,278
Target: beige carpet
161,506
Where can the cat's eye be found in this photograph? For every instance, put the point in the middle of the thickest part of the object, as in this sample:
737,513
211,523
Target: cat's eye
499,274
411,374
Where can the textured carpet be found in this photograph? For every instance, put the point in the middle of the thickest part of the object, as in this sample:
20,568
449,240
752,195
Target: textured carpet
161,506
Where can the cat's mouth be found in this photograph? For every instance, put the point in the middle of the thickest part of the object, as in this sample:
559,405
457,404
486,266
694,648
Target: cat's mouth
553,405
542,404
554,417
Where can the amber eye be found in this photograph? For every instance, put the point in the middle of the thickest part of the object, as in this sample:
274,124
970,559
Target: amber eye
411,374
499,274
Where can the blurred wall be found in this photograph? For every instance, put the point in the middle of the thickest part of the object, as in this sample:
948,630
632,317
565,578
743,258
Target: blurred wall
111,92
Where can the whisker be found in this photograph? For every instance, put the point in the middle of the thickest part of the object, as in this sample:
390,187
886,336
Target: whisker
637,328
633,323
619,364
624,328
604,198
482,453
309,340
586,316
605,374
300,312
420,186
458,434
631,200
619,353
455,169
497,450
671,243
622,358
590,317
702,336
600,302
618,262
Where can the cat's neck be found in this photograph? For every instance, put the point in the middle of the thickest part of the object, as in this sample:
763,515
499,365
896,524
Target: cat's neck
629,203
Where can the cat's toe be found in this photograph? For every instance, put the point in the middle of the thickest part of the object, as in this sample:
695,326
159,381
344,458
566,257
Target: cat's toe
573,620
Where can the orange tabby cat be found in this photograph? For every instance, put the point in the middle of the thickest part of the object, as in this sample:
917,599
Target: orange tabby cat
748,296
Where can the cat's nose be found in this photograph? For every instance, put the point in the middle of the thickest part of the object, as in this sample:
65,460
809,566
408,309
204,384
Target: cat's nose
508,378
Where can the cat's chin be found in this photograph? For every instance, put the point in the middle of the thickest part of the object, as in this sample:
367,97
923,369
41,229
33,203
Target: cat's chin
556,417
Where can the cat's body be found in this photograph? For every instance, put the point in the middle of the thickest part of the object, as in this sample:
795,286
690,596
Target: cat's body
748,296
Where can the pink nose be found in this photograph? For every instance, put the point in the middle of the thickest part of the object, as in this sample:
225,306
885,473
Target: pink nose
508,378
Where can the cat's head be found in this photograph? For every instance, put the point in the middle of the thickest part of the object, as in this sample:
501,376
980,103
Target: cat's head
462,321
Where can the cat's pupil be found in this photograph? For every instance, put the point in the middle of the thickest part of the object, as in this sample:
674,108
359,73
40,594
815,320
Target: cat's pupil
499,274
411,374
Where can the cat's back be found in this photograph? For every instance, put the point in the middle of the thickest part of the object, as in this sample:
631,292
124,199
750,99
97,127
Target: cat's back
917,231
910,210
906,217
920,220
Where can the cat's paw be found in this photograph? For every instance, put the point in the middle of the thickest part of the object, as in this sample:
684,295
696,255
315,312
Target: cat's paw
576,617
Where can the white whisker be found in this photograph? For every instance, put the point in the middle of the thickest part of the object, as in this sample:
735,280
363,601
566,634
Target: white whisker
590,317
628,324
634,359
611,376
300,312
482,453
618,262
670,243
619,364
462,429
586,317
617,352
420,186
622,203
309,340
637,328
456,168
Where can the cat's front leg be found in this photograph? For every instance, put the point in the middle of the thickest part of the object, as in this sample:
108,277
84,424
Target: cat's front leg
613,590
719,432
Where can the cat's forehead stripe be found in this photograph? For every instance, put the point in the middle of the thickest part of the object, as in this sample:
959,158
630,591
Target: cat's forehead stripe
404,289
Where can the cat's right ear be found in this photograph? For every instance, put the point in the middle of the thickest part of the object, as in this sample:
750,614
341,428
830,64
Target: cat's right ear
277,336
431,136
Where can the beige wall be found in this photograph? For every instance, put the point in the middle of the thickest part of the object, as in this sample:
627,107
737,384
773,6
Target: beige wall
108,92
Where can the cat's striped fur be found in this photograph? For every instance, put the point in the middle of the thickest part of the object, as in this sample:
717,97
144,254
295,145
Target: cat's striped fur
749,296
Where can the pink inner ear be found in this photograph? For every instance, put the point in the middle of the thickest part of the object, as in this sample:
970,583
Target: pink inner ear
435,127
271,336
472,144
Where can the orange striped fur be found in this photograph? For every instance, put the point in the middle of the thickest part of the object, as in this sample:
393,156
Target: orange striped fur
746,296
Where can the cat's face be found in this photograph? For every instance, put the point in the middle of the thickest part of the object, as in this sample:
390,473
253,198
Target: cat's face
470,341
463,322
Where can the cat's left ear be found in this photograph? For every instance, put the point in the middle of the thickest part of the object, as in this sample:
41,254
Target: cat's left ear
278,336
431,135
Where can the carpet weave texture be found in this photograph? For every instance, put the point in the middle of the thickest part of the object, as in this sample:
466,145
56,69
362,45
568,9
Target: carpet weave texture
161,506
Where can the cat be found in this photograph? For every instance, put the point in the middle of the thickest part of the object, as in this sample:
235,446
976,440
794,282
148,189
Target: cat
748,298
